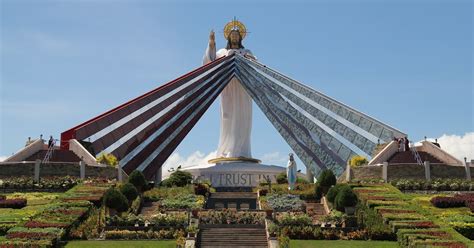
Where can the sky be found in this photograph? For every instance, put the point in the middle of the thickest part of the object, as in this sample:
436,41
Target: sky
406,63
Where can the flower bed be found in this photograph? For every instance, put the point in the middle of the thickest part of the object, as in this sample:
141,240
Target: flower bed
169,220
46,183
230,216
407,236
458,200
293,219
34,233
61,215
157,194
281,203
412,224
184,201
134,235
13,203
435,184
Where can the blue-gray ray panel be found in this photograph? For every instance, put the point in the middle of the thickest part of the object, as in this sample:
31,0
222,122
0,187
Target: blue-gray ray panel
329,103
279,111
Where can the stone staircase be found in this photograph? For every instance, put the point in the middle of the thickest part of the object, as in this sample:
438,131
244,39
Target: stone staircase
58,156
408,158
316,211
232,237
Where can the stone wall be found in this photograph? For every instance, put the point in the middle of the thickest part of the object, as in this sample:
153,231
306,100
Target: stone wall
55,169
366,172
409,171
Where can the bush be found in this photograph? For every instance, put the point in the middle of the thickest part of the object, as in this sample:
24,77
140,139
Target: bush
333,191
301,180
345,198
447,202
358,160
13,203
201,189
326,179
137,179
116,200
108,159
179,178
129,191
318,191
281,178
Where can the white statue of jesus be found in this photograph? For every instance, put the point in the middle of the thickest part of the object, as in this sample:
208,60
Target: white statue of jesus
236,104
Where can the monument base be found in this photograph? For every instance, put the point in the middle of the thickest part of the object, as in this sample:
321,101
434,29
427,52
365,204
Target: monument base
235,174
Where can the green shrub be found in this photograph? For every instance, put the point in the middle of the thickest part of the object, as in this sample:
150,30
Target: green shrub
333,191
345,198
318,191
179,179
326,179
137,179
116,200
108,159
281,178
301,180
358,160
129,191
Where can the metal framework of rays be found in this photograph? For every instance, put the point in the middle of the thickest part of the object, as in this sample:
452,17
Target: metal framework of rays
144,132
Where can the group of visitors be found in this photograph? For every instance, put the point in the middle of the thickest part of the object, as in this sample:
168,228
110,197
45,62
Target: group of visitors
403,144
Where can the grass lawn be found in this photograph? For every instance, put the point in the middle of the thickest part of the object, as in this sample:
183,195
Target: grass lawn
342,243
116,244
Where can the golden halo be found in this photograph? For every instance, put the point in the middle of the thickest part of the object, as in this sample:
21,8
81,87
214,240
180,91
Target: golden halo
235,25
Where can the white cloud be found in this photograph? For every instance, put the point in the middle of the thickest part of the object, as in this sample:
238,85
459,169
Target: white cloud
3,158
196,158
274,158
458,146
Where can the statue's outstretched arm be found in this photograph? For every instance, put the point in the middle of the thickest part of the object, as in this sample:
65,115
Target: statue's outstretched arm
210,54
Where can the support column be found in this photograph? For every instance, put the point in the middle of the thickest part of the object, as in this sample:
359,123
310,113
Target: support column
37,171
82,167
427,171
348,172
158,176
385,171
309,175
468,169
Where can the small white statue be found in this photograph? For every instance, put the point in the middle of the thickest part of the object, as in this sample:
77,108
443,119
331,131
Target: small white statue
291,172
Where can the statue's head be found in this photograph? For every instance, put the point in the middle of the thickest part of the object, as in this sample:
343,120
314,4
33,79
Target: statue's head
234,40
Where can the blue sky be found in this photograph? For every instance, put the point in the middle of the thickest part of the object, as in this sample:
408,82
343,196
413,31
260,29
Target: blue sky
406,63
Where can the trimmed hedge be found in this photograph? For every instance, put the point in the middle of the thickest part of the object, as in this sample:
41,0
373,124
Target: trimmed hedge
13,203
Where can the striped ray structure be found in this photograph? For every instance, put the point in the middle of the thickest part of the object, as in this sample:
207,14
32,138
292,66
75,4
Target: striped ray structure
144,132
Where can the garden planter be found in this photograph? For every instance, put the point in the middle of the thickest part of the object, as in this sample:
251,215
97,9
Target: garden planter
349,210
195,213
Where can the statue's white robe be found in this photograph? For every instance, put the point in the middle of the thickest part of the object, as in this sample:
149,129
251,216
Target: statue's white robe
236,112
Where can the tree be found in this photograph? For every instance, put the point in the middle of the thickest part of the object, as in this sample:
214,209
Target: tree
358,160
326,179
180,178
129,191
108,159
116,200
334,190
137,179
318,193
345,198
